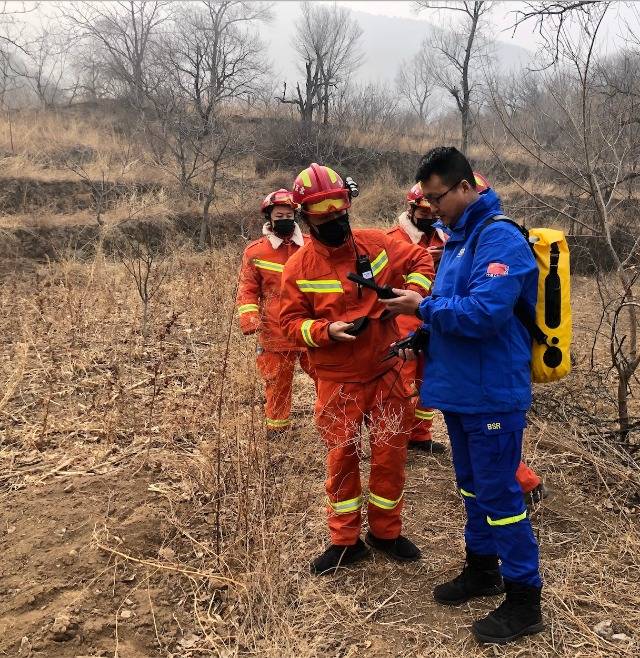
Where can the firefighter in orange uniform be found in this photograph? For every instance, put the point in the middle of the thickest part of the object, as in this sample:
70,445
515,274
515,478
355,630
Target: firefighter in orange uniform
258,303
415,227
347,333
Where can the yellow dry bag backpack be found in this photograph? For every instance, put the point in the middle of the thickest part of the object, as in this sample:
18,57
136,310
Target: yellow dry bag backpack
550,330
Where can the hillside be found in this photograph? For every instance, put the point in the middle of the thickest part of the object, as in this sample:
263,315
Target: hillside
145,514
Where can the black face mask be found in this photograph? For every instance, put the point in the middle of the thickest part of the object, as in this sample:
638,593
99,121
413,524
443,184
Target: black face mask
283,228
424,225
333,233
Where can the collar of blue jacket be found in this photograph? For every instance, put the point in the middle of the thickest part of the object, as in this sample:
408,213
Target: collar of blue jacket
487,205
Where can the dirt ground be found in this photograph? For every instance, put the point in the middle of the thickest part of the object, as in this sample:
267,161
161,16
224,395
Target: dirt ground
92,565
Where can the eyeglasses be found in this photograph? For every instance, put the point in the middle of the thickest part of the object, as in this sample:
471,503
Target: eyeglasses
436,199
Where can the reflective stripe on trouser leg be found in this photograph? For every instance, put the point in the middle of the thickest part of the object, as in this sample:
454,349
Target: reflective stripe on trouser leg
477,534
495,457
389,421
276,369
338,415
422,420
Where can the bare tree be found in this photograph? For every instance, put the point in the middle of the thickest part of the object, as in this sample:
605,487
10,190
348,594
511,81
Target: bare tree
142,252
461,50
368,106
209,58
44,66
121,31
328,43
213,55
585,133
416,80
13,25
310,99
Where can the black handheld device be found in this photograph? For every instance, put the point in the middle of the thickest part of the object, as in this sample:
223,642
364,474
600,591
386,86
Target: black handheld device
418,342
384,292
359,325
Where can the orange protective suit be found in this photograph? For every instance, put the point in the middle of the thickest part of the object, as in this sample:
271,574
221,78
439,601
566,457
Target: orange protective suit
406,231
258,303
411,373
355,386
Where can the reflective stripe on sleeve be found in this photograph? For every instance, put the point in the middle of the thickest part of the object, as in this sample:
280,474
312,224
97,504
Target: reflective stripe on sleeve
508,520
346,506
424,415
383,503
247,308
467,494
268,265
379,263
305,330
320,285
419,279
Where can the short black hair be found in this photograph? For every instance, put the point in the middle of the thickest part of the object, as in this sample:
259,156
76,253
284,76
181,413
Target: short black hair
448,163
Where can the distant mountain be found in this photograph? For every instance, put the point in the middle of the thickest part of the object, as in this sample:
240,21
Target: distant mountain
386,42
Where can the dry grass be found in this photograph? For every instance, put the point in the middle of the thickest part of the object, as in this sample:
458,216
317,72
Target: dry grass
218,524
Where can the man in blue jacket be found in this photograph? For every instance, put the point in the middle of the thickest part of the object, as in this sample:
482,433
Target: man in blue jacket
478,375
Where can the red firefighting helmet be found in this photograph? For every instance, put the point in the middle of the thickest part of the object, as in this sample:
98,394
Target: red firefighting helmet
415,198
482,183
280,197
319,190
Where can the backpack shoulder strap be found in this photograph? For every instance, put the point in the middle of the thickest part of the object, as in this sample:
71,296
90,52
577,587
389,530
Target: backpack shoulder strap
520,310
493,220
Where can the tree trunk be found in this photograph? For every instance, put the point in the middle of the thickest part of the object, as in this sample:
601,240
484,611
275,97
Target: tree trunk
623,406
204,227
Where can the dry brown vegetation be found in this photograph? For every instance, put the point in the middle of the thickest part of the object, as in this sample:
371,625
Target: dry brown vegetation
145,514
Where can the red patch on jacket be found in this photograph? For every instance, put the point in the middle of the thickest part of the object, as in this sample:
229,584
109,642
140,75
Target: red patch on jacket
497,269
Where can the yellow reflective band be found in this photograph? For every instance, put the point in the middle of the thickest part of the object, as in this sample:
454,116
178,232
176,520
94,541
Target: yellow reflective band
247,308
305,329
346,506
275,422
320,285
509,520
268,265
383,503
424,415
306,179
419,279
379,263
333,177
467,494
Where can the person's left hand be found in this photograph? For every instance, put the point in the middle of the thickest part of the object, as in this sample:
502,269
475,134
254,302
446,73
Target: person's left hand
406,302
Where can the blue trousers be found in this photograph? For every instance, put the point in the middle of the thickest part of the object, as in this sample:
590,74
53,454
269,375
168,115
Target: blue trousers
486,451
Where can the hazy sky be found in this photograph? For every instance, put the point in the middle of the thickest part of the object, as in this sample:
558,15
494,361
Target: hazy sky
502,17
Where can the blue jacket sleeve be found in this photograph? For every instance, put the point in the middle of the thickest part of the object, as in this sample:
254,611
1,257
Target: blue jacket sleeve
501,264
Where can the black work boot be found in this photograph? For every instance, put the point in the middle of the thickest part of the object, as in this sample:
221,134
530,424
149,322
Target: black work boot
400,548
519,614
480,576
536,495
430,447
339,556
